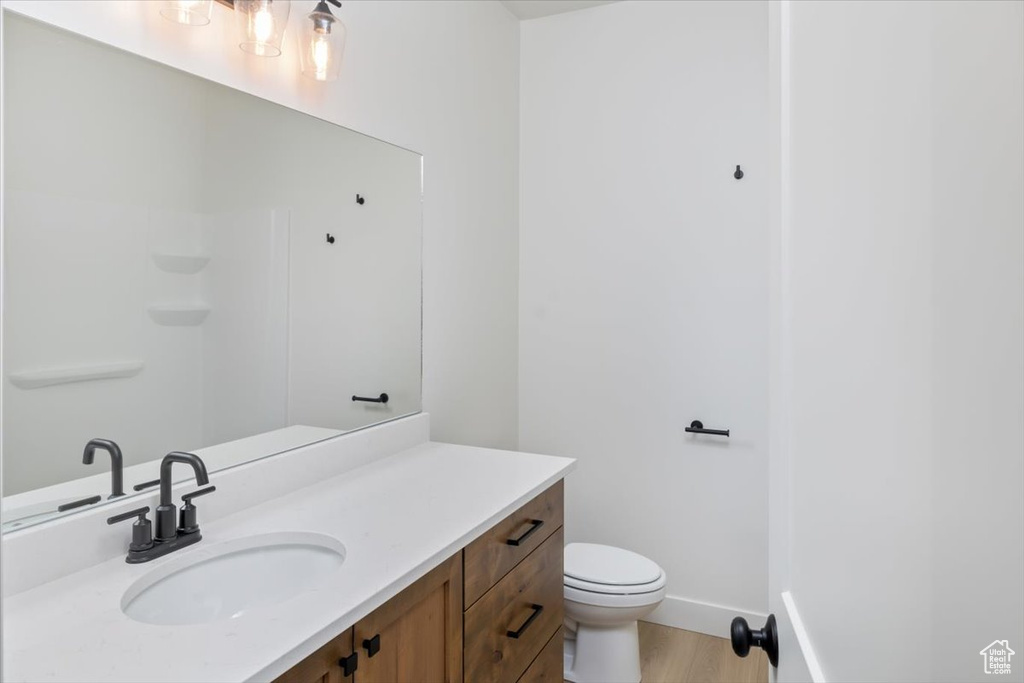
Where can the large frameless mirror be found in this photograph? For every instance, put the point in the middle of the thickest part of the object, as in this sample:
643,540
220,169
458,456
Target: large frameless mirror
188,268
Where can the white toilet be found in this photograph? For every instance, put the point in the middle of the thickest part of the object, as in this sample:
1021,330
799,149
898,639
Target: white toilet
607,590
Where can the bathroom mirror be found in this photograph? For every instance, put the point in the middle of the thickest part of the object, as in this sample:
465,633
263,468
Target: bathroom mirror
189,267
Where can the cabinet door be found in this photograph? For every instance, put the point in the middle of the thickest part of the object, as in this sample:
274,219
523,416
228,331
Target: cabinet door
416,636
324,665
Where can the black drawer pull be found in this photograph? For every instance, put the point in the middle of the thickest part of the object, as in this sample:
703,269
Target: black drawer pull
349,664
537,609
534,525
372,645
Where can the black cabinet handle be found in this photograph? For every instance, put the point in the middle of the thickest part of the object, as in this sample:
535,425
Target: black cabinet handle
372,645
767,638
534,525
537,609
145,485
697,427
383,398
349,664
79,503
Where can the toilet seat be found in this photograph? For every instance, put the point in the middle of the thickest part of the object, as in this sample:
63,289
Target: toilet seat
591,568
605,589
615,601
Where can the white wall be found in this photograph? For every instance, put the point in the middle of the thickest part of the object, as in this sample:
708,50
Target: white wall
440,78
643,287
905,252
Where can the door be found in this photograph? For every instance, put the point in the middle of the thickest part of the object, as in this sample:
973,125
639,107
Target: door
895,507
417,635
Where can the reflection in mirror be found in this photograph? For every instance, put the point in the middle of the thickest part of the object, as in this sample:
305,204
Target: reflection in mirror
187,267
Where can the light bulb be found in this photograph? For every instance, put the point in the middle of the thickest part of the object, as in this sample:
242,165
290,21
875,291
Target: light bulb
263,25
321,54
323,43
188,12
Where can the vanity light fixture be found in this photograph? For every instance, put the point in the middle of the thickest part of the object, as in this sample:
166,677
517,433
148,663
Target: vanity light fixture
261,25
322,43
188,12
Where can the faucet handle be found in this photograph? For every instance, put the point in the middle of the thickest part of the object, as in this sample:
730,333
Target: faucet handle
187,521
142,530
195,494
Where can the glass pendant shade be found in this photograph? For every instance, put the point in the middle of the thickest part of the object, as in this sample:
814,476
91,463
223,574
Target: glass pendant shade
261,25
188,12
322,43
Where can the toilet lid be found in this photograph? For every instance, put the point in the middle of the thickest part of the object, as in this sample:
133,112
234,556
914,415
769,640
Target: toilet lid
609,566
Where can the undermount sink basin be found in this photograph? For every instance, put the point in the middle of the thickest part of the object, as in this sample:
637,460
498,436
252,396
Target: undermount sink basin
226,580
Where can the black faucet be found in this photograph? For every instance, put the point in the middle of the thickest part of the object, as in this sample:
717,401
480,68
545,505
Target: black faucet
116,463
170,534
166,512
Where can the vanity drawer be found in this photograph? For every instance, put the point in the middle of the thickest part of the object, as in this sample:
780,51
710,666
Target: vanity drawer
549,665
491,556
527,601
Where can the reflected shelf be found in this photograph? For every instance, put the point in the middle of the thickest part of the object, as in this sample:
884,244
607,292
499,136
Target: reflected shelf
35,379
185,264
178,315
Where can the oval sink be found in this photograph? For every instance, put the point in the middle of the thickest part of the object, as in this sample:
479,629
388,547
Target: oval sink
226,580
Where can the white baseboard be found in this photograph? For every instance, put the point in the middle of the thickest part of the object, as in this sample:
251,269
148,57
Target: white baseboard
702,617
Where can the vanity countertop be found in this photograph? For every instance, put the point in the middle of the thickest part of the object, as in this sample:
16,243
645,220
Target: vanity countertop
398,517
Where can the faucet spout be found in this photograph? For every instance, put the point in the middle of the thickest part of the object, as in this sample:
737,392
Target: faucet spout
116,463
166,523
198,466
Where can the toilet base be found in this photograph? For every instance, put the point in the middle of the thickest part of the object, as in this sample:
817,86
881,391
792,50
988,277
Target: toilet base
602,654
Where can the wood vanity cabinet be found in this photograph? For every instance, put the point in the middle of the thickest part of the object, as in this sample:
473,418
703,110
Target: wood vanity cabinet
490,613
324,665
418,632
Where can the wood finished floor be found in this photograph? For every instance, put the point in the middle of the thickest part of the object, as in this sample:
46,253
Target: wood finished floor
671,655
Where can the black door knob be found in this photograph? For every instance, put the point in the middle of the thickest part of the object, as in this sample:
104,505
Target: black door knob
767,638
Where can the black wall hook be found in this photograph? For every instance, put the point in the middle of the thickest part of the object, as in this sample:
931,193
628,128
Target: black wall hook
360,199
330,238
739,172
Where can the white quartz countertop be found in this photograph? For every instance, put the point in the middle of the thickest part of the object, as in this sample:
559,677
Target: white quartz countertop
397,517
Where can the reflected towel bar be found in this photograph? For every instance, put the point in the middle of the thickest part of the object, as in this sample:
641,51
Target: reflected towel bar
383,398
697,427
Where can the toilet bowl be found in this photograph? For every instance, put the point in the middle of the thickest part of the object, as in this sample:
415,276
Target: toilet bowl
607,590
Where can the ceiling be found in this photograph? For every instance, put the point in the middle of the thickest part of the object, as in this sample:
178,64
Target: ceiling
531,9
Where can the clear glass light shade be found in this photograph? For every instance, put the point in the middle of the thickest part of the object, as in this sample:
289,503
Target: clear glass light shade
261,25
188,12
322,43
